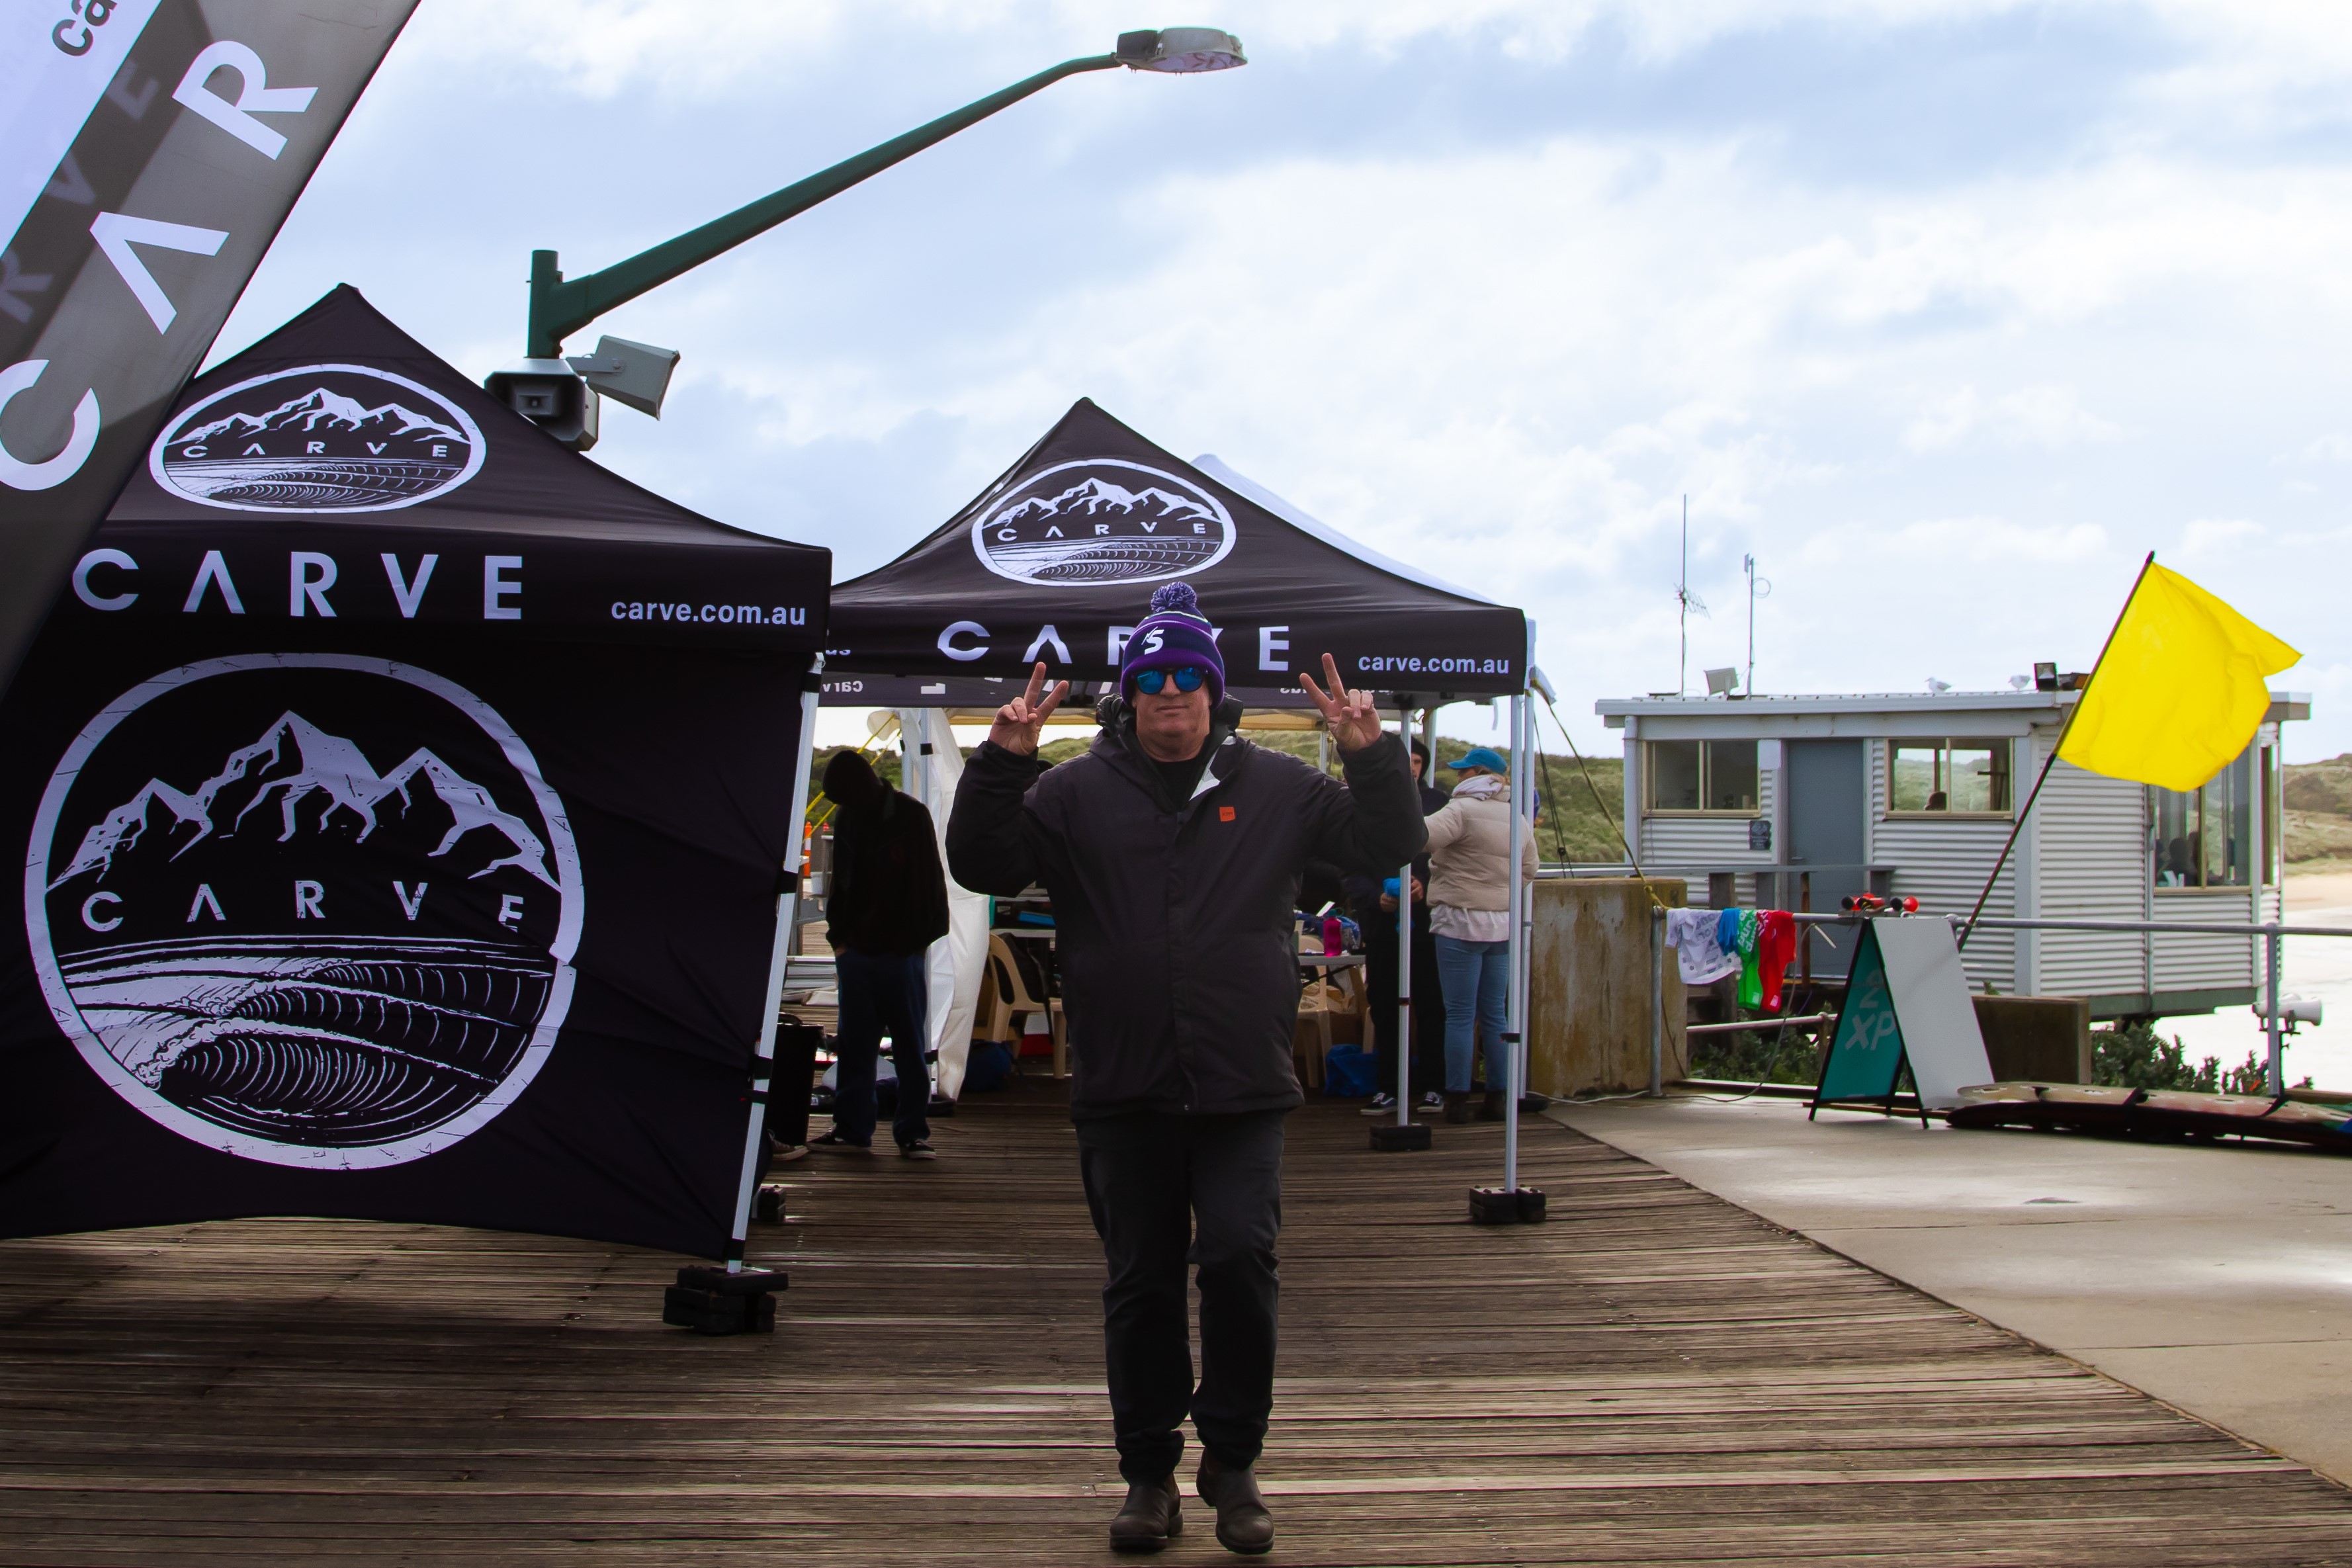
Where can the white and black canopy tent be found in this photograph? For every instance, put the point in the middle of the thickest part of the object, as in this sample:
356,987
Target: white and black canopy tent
1056,562
408,797
1055,559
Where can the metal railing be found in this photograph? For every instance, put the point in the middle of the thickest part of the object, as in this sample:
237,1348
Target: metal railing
2271,1007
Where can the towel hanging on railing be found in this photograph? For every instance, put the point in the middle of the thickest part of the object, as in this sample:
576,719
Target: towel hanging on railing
1692,934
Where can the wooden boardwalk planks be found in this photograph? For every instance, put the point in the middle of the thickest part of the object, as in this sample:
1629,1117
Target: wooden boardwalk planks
1653,1378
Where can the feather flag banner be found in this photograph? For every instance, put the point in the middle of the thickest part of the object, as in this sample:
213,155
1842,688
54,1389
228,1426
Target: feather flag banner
149,151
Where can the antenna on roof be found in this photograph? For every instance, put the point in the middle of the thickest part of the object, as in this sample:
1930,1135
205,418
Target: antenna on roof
1687,602
1757,587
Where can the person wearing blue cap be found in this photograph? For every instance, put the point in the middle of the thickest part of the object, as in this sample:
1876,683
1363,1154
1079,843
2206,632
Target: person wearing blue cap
1470,913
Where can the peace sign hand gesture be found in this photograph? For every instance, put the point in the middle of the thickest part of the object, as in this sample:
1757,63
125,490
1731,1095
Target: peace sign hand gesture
1018,722
1347,713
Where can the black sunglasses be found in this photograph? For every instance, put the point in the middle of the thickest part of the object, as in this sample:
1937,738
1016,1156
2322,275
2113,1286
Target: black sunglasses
1187,679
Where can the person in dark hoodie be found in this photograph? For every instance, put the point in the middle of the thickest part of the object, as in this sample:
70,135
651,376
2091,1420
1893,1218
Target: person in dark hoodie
887,905
1173,851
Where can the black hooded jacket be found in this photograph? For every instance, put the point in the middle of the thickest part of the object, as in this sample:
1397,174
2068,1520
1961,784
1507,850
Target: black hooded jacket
887,895
1173,921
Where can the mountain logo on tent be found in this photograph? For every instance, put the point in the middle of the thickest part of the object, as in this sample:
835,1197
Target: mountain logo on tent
317,438
1102,521
272,946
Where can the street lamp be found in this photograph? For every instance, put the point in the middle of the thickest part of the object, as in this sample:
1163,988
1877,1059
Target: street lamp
562,394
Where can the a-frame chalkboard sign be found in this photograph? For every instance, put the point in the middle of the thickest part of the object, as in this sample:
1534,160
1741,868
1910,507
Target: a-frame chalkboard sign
1907,1004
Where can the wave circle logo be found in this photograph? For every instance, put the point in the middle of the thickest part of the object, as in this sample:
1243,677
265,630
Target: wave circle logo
1102,521
322,438
315,909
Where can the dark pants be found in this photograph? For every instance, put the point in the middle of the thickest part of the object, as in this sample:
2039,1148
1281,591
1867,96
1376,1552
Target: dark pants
1165,1190
881,992
1428,1002
795,1078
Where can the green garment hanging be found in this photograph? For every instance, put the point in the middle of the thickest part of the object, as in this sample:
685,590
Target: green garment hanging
1752,981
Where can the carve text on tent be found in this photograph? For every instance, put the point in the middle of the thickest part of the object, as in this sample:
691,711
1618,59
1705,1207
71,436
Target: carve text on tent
331,765
320,406
1097,496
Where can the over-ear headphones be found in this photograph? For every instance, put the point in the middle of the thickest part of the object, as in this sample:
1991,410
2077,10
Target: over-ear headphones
1111,707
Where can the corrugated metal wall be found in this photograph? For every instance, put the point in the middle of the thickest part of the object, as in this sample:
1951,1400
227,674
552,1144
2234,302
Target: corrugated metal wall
1686,846
2090,844
1944,865
2186,962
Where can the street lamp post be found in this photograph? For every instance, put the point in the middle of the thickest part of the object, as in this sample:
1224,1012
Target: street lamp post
560,393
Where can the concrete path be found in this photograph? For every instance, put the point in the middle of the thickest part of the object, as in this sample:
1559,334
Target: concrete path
2218,1278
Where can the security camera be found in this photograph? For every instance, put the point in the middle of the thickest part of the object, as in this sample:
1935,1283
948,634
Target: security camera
635,373
550,395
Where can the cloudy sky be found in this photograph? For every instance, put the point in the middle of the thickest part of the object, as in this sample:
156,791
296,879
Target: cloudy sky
1946,311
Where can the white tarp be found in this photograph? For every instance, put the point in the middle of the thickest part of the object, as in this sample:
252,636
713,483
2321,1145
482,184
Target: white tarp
956,959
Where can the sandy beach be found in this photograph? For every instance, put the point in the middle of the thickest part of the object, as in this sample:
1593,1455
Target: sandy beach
2319,889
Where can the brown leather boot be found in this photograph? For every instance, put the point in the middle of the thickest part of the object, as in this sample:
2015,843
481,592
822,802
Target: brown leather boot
1243,1524
1153,1516
1491,1109
1457,1107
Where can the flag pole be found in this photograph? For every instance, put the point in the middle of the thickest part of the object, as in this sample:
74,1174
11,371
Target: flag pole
2051,760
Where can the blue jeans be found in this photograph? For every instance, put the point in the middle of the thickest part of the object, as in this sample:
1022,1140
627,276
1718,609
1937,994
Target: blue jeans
881,992
1477,980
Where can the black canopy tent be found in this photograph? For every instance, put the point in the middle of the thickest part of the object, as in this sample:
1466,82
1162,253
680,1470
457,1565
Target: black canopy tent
404,799
1056,562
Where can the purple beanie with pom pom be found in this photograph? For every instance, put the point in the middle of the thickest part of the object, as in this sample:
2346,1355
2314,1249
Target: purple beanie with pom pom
1172,636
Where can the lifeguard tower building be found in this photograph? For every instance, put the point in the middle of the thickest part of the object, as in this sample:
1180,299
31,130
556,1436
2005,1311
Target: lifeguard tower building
1795,802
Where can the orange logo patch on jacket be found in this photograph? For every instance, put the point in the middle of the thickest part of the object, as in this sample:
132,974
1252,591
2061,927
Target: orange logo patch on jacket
1225,814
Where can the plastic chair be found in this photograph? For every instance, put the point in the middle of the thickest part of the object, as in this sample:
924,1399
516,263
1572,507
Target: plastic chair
1318,1003
1010,997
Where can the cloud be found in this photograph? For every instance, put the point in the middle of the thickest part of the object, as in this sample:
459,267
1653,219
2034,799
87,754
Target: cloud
2208,536
1944,310
1956,540
2046,416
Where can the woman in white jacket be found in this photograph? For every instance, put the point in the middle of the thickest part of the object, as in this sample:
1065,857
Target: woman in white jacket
1470,914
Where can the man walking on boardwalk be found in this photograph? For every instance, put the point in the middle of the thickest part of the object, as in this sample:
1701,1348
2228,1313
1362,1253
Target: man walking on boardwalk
1172,849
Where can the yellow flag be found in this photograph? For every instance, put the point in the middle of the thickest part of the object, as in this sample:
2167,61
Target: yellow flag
2180,690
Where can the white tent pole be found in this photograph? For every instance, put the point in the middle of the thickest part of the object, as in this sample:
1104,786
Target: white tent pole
788,910
914,775
1404,945
914,779
1514,1038
1522,914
